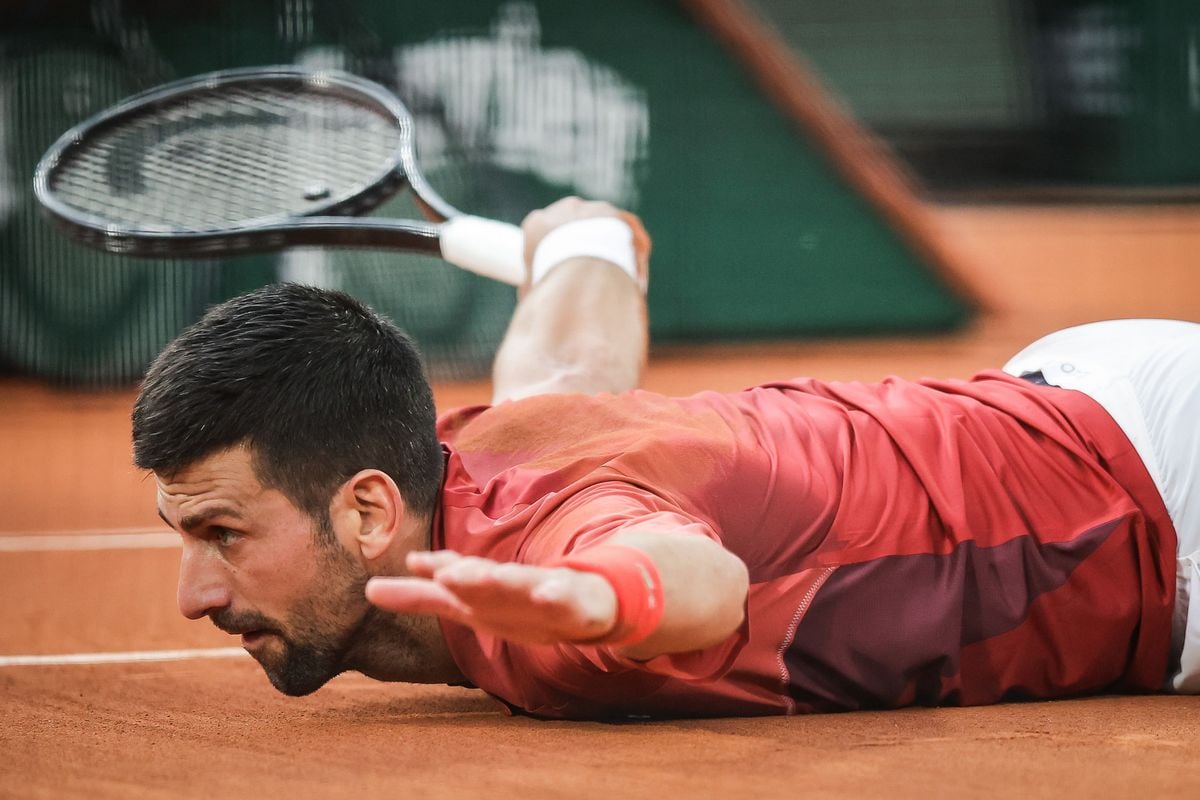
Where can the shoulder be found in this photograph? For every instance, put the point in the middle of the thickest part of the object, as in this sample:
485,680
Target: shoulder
451,423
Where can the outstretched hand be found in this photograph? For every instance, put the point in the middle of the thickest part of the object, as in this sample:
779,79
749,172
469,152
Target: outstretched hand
518,602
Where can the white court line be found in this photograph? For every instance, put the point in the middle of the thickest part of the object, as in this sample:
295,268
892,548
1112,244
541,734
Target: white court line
131,657
103,540
35,543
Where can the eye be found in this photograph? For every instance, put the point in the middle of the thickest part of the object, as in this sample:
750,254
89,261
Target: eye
225,537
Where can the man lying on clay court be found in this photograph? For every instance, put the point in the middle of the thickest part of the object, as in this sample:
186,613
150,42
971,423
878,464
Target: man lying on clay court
583,549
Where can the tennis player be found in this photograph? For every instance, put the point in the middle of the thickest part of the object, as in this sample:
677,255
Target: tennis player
583,549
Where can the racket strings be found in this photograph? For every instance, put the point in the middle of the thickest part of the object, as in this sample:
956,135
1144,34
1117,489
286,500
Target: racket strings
226,158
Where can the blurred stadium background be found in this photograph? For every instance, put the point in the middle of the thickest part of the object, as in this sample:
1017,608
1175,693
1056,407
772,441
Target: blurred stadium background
841,188
775,148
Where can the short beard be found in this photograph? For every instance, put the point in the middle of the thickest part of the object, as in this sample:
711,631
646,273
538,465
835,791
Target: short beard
316,644
307,665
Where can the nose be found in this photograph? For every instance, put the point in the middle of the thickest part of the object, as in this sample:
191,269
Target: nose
202,585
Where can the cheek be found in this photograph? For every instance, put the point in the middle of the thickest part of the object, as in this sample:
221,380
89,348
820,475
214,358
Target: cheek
341,587
323,588
275,579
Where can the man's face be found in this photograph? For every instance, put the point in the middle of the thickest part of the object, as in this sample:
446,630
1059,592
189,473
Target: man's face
258,566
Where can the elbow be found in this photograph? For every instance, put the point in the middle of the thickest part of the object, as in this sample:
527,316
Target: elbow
705,596
726,582
735,586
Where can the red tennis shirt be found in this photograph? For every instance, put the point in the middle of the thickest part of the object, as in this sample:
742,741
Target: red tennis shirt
931,542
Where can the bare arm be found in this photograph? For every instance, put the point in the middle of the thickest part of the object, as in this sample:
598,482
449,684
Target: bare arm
583,327
704,590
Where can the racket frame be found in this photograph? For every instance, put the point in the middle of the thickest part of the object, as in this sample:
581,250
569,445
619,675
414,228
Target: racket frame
323,224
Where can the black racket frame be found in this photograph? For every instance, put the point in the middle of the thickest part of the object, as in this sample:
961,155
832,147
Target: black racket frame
319,226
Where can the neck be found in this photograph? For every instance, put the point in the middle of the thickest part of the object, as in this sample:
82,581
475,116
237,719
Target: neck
407,648
402,647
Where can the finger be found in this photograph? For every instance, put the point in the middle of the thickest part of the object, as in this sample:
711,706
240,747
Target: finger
496,588
415,596
598,208
534,228
537,224
523,577
465,572
489,586
564,205
477,579
553,604
424,563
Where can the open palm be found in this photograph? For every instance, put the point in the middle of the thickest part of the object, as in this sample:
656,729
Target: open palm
519,602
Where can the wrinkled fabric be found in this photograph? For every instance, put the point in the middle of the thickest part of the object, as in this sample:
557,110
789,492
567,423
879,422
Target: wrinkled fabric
931,542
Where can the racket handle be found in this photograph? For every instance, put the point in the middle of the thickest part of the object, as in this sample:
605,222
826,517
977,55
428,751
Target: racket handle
492,249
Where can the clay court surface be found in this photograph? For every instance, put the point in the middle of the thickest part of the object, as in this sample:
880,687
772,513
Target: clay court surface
85,568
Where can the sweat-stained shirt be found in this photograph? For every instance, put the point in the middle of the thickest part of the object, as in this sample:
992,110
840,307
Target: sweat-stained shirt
932,542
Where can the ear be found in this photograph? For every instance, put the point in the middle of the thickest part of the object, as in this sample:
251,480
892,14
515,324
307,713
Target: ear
367,511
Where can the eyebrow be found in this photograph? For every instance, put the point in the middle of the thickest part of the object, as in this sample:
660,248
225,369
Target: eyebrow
193,521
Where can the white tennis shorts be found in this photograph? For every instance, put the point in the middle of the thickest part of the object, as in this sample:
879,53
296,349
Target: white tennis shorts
1146,374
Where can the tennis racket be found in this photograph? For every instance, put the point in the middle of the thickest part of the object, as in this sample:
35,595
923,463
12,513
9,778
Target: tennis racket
255,160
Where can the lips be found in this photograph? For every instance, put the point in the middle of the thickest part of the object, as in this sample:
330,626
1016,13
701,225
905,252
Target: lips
251,638
251,626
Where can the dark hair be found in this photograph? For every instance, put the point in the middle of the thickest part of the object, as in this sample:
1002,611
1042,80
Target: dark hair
317,384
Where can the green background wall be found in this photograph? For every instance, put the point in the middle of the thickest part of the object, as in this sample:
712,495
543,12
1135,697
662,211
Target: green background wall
755,234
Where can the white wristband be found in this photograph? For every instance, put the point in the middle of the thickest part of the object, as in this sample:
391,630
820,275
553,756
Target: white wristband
606,238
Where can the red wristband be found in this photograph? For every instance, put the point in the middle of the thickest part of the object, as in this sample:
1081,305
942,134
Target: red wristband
634,578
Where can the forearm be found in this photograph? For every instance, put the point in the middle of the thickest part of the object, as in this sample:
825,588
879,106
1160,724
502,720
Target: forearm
704,592
704,589
580,329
